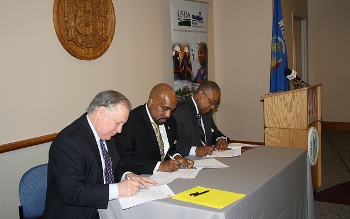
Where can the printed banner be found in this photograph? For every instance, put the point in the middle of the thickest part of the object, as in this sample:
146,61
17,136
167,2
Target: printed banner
189,33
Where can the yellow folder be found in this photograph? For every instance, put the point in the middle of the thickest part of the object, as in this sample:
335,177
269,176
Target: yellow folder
208,197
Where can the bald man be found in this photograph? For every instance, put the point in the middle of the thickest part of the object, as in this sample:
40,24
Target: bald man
138,145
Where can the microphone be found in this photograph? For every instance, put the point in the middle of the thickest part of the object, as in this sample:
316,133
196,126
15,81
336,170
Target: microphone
292,74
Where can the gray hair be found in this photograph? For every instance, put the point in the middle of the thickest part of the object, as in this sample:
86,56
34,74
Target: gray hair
108,99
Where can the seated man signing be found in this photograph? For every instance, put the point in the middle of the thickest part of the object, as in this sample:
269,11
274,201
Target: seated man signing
148,141
197,131
84,168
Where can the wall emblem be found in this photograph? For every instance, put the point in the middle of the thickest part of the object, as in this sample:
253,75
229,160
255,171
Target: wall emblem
85,28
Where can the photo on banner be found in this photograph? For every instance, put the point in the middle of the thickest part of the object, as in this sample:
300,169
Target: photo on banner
189,34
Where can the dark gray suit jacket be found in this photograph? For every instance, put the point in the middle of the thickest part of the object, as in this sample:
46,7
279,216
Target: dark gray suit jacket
137,144
188,129
75,186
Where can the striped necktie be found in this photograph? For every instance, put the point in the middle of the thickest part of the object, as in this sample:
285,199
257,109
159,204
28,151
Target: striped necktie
108,164
159,140
199,117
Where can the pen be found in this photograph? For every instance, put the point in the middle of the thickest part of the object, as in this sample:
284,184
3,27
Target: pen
199,193
182,165
128,177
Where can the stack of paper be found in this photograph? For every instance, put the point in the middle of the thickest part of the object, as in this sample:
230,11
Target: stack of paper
231,152
208,163
180,173
240,145
208,197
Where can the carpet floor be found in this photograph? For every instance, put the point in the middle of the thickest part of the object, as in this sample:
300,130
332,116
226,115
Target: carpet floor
338,194
332,198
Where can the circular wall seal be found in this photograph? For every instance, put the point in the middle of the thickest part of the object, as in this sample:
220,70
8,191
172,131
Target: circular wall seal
313,145
85,28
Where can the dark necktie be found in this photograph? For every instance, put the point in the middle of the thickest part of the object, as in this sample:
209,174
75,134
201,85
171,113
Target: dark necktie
108,164
160,140
199,117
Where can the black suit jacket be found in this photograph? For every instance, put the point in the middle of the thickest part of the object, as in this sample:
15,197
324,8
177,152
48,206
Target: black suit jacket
188,129
75,187
137,144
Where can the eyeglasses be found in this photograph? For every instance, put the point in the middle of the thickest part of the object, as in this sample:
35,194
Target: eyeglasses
212,103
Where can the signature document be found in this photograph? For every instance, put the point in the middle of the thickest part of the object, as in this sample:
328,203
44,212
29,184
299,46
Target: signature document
144,195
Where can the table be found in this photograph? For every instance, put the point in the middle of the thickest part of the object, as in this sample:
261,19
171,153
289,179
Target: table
276,180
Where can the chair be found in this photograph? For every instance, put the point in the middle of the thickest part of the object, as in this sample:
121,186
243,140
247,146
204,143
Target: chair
32,192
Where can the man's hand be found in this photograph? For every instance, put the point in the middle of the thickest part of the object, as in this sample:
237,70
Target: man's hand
169,166
221,145
131,186
184,161
142,180
202,151
128,188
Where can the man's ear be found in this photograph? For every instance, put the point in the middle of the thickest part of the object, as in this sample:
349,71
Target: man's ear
100,112
150,102
200,94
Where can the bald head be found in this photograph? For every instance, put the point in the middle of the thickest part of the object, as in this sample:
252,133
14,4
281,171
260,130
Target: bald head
161,90
161,103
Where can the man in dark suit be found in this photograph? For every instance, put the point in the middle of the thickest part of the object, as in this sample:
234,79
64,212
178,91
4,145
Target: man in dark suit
83,175
197,132
138,145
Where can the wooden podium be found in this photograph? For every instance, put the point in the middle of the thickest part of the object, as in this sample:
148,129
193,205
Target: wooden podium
290,117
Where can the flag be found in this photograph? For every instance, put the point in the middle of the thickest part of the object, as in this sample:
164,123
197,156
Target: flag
279,62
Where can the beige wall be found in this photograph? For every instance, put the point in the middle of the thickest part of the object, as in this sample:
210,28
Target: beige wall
329,46
242,46
43,88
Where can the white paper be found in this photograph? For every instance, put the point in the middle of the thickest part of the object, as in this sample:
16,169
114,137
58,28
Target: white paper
235,145
232,152
209,163
180,173
162,180
144,195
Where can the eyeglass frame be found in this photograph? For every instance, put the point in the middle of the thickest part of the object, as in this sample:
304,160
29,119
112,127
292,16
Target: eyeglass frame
212,103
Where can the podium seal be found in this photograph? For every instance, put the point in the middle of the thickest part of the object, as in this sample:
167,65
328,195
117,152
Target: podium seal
313,145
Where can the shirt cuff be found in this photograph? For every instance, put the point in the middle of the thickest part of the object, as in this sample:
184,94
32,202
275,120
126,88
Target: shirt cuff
113,188
223,137
156,167
177,154
113,191
193,150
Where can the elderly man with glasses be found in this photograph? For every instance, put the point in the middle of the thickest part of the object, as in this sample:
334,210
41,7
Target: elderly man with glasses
197,132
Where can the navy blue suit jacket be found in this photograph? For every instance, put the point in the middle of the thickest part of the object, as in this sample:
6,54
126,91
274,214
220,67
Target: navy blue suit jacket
75,186
137,144
188,129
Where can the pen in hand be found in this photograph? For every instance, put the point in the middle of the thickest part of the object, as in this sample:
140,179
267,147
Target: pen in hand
128,178
182,164
171,157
